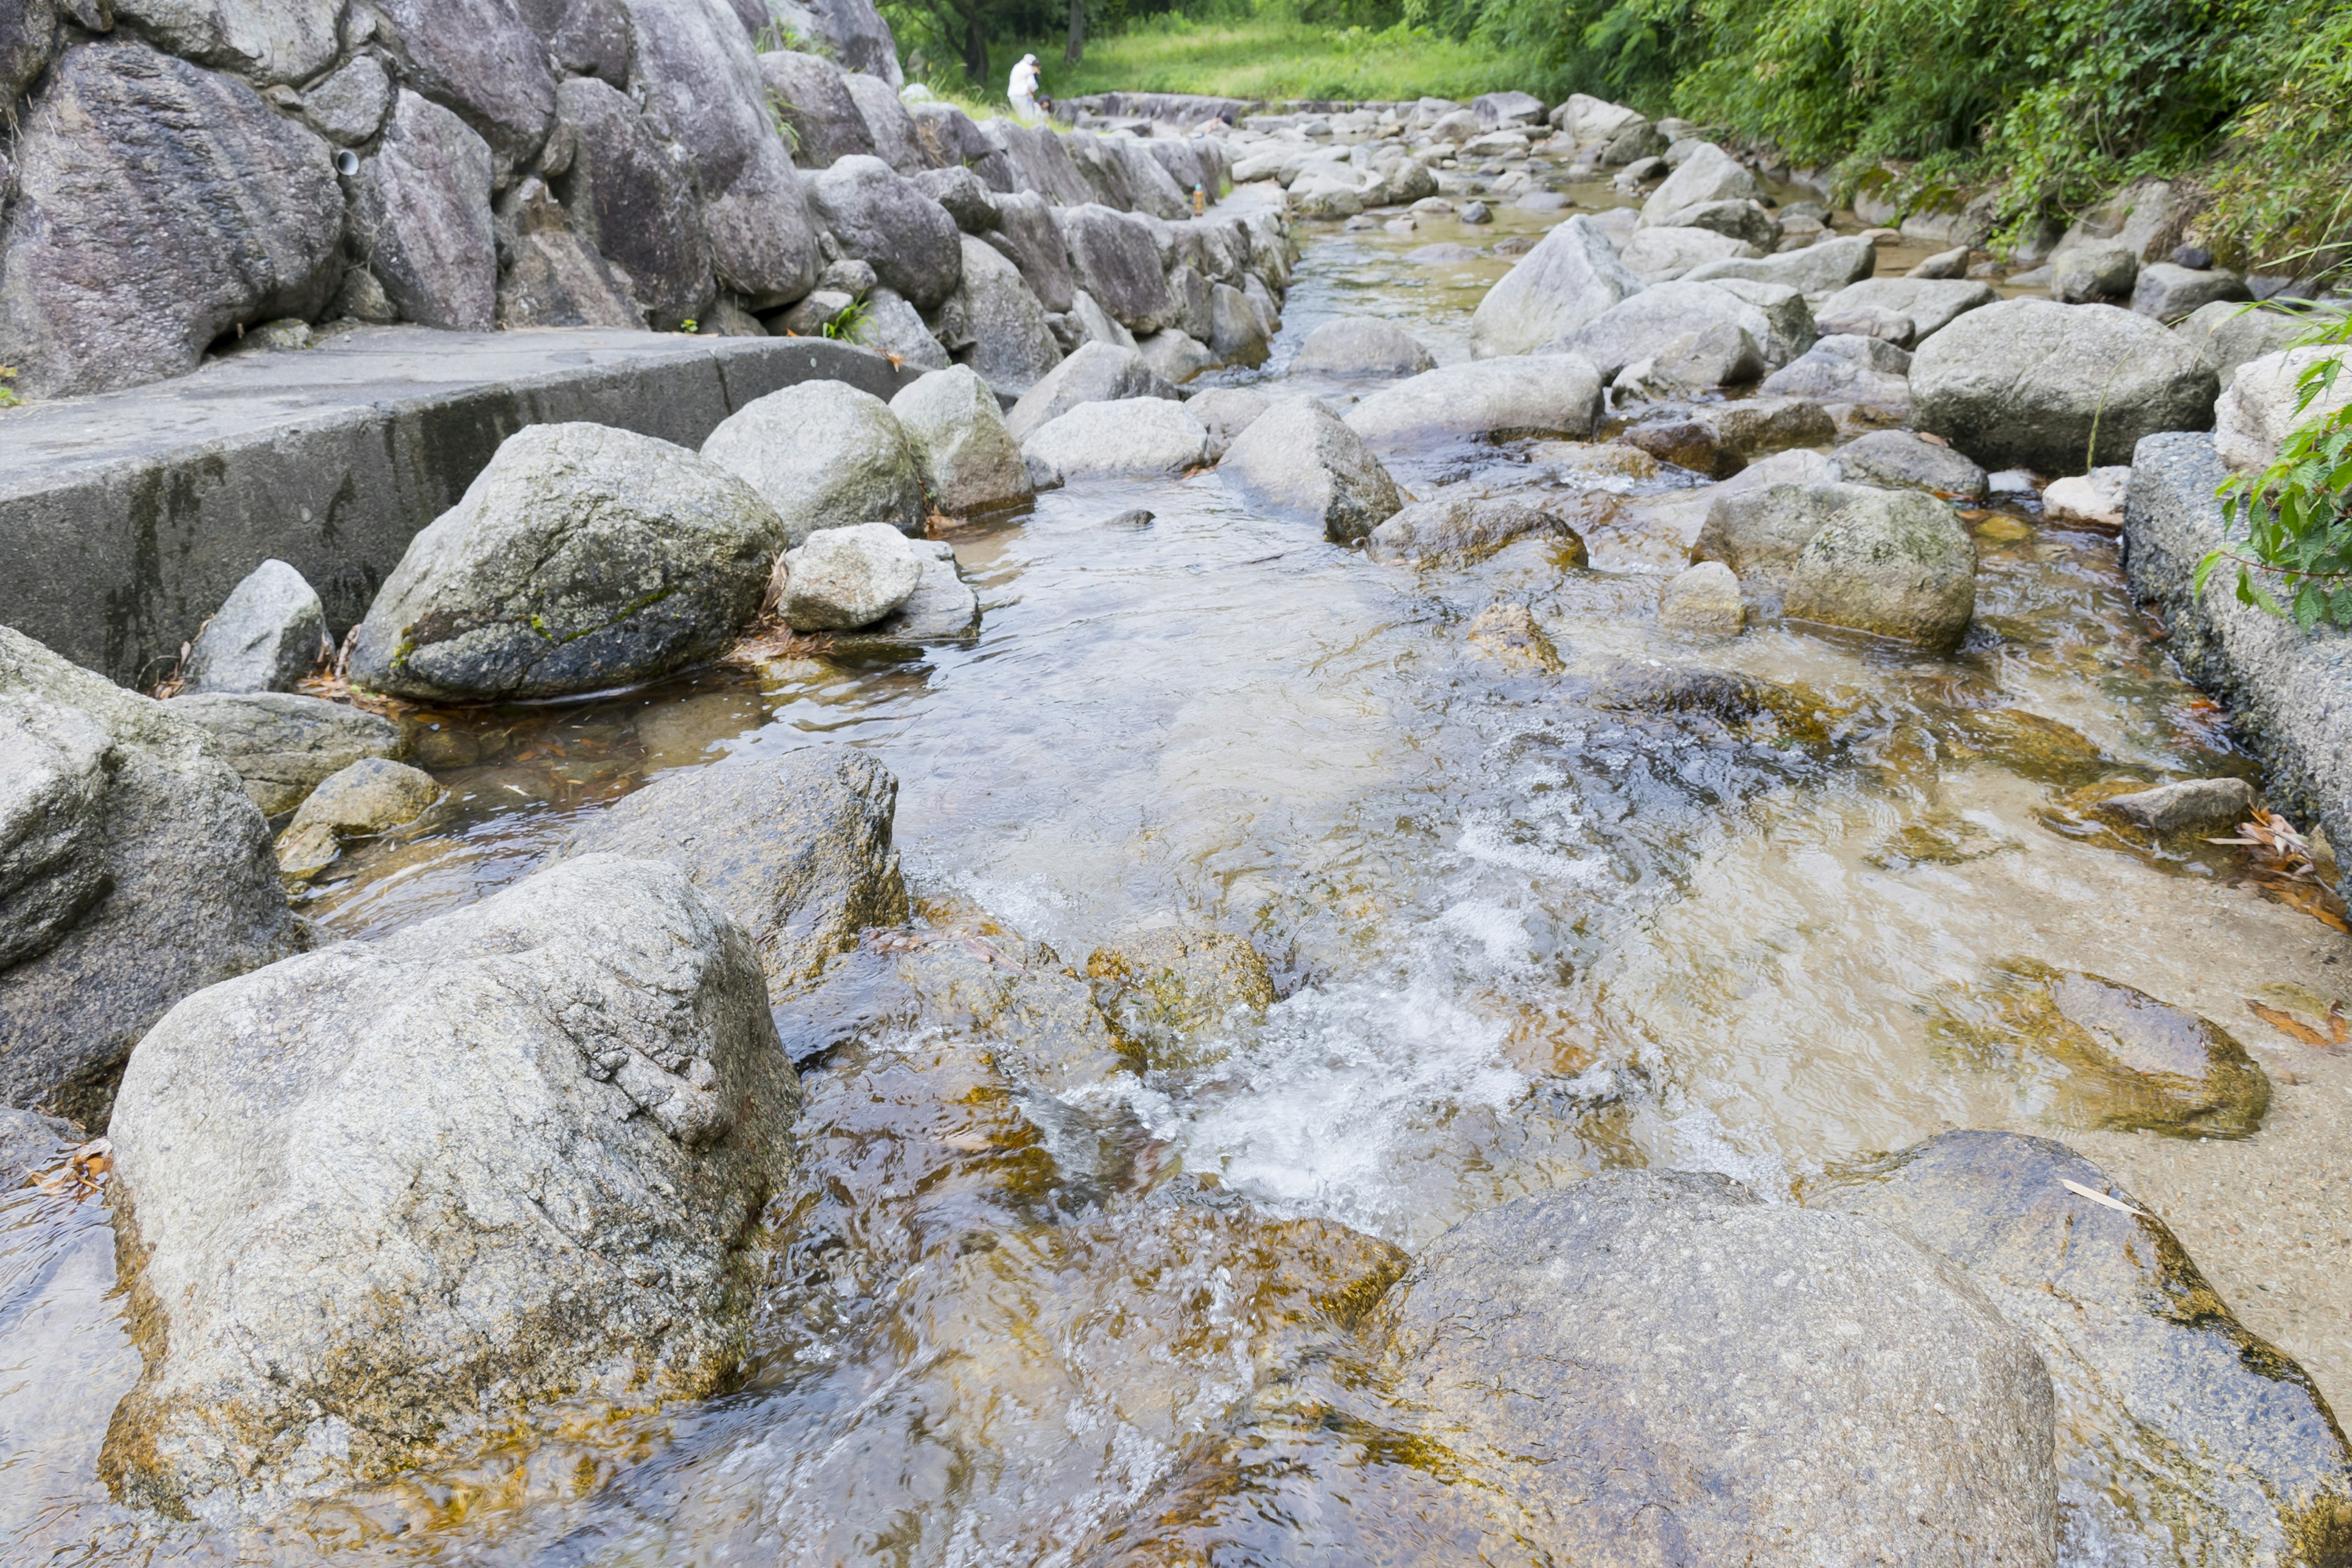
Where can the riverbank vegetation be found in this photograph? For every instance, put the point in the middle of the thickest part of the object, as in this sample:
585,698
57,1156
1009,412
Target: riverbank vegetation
2055,105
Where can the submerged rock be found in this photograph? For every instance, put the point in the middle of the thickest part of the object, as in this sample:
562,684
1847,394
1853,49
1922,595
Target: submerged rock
1703,600
378,1201
796,848
2189,804
1361,345
30,1141
282,745
2114,1057
368,798
1164,989
1895,563
824,455
2182,1437
581,558
1462,530
1299,458
942,608
267,635
1507,636
1741,1376
134,870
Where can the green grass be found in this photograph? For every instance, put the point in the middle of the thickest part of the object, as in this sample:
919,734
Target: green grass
1272,57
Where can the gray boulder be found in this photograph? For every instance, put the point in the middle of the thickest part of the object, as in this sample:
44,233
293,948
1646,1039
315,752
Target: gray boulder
1845,368
811,97
844,578
1114,257
1816,271
2226,336
950,139
1097,373
152,206
1512,108
134,870
1361,345
1299,459
2182,1436
1717,355
1461,529
349,108
480,58
581,558
1744,220
268,42
963,448
2186,805
959,190
550,277
1226,411
882,218
264,636
2172,293
1718,440
1175,356
1237,330
421,217
996,324
1904,461
1134,438
1026,236
694,66
1571,277
852,31
1709,175
1761,525
795,849
1663,254
1638,329
1928,305
387,1193
362,800
893,327
283,745
2093,272
888,122
635,203
1895,563
823,455
583,37
942,608
1041,162
1492,399
2026,383
1744,1375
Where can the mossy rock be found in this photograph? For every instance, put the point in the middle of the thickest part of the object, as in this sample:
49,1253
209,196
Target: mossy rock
2027,744
1164,990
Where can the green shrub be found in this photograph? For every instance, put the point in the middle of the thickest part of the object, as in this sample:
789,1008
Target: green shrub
2295,516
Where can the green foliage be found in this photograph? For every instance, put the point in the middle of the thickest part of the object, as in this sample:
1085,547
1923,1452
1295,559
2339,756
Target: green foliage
2295,516
7,394
2282,193
1271,54
846,322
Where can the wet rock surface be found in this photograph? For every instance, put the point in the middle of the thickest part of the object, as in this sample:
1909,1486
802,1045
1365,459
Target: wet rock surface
359,800
1548,395
283,745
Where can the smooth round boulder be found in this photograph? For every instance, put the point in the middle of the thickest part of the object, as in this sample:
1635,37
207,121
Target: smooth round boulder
1895,563
966,455
1298,458
1097,373
1654,1367
370,797
844,578
1227,411
1135,438
1491,399
997,322
883,218
1773,314
2057,388
1904,459
1361,345
581,558
1571,275
823,455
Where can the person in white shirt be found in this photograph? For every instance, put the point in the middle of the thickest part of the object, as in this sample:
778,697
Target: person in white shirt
1023,89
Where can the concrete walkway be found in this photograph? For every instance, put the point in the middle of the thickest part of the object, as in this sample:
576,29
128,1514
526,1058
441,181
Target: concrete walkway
126,518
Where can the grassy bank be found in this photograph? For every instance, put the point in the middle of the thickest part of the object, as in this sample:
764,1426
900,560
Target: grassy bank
1276,57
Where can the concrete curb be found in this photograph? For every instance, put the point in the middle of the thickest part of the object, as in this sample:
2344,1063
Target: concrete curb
126,518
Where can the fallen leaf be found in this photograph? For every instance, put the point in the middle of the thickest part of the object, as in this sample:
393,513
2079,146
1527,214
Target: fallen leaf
2287,1024
2116,1204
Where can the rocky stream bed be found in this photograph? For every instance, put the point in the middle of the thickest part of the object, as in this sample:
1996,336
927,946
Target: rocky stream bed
1431,1050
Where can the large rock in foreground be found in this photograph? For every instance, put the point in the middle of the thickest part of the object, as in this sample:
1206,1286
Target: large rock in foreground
380,1199
1571,277
824,455
153,206
1493,399
1298,458
1895,563
796,848
2031,383
1661,1369
2182,1436
583,558
134,870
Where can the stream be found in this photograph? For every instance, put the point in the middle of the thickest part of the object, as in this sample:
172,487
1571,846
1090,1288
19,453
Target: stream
1525,924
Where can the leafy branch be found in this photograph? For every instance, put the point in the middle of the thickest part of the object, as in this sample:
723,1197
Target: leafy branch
2295,516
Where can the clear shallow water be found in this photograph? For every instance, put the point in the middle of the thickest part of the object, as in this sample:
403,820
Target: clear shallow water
1522,932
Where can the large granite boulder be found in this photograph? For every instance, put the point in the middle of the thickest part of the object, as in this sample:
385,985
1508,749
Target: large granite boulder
583,37
963,450
480,58
283,745
1709,175
2226,336
1928,305
1760,526
2262,404
548,276
581,558
2182,1436
380,1200
1097,373
1568,279
1492,399
1846,368
852,31
1894,564
2029,384
1114,257
1773,314
1662,255
971,204
267,635
823,455
882,218
1816,271
269,43
1299,459
629,198
1655,1367
1140,438
421,217
995,324
811,97
134,870
1901,459
1026,236
695,67
152,206
795,849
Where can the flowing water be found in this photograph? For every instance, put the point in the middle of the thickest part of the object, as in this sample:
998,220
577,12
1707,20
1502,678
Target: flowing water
1526,924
